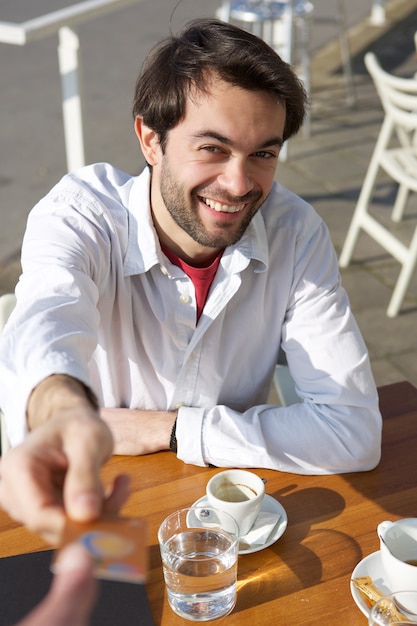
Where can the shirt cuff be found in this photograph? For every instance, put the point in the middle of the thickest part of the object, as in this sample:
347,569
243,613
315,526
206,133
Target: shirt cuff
189,435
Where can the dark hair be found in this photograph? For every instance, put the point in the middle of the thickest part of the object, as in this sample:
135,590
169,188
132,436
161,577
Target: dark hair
179,63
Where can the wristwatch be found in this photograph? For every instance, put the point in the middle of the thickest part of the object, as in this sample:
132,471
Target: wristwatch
173,439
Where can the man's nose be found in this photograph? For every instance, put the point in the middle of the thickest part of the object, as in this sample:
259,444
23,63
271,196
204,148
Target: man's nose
236,178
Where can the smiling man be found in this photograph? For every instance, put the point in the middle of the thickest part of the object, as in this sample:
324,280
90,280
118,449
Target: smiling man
216,169
152,309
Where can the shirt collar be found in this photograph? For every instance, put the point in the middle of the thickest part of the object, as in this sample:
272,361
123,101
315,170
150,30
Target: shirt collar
144,250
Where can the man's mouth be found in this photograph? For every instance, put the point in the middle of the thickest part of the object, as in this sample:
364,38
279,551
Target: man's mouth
223,208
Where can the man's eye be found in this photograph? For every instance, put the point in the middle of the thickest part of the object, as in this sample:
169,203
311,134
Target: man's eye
213,149
264,154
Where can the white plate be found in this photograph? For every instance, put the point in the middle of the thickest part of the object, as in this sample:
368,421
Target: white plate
369,566
269,505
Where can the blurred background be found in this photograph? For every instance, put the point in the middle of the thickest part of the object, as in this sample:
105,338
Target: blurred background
327,167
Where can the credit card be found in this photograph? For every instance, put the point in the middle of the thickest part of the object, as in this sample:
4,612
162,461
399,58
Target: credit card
118,546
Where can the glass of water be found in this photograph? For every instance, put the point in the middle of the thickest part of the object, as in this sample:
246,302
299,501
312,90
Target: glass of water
200,563
396,609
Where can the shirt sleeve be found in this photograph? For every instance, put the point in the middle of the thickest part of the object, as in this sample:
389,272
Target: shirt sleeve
53,330
336,427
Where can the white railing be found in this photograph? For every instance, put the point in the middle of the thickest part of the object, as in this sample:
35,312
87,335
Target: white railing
63,22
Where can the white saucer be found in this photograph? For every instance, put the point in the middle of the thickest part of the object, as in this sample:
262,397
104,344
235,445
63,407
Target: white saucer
269,505
369,566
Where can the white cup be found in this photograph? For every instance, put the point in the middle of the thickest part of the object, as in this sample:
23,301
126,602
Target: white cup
398,542
239,493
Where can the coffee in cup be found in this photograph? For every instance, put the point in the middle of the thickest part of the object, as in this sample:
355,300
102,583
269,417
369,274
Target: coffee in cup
239,493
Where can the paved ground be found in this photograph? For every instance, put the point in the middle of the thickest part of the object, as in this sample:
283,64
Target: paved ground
327,168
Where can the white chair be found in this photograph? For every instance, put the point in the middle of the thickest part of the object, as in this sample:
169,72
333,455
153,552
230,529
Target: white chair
7,304
284,24
395,153
284,386
283,382
415,44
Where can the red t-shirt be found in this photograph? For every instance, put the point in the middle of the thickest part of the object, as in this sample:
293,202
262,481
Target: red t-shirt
202,277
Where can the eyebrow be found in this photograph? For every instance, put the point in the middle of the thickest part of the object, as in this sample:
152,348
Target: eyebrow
212,134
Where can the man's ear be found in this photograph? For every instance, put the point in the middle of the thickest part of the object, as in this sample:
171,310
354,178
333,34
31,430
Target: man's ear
149,141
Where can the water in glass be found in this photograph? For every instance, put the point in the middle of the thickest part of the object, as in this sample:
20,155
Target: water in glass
200,573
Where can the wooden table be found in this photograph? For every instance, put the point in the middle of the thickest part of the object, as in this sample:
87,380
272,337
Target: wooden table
302,579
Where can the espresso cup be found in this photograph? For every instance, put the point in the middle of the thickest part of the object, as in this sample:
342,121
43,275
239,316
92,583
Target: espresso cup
239,493
398,543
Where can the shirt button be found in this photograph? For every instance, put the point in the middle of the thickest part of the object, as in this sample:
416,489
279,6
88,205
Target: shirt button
179,405
184,299
163,270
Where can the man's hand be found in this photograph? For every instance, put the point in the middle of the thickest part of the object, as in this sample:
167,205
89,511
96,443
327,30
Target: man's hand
71,598
55,472
137,432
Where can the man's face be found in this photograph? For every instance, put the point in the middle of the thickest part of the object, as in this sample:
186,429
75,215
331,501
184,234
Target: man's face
217,169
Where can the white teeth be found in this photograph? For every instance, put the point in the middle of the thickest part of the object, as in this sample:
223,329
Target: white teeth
224,208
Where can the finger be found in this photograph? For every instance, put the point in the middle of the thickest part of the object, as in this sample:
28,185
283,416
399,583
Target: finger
28,494
49,524
118,494
73,592
86,453
46,521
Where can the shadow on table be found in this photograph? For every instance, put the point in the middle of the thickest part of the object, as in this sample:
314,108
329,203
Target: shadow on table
392,483
310,552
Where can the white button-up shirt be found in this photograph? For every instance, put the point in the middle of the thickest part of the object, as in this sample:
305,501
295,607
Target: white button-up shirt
98,300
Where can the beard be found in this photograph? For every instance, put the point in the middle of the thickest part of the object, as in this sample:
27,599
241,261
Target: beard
184,211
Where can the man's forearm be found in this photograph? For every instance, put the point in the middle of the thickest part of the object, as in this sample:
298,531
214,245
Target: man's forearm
137,432
56,393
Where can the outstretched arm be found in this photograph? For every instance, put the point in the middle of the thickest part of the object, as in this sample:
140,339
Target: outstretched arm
55,472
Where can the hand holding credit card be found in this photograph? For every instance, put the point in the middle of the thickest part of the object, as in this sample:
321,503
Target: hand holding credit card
118,546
